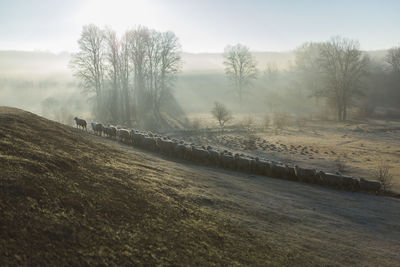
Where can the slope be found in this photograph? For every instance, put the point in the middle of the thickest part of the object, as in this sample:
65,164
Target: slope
70,198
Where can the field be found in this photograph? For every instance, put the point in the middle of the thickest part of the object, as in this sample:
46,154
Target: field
354,148
71,198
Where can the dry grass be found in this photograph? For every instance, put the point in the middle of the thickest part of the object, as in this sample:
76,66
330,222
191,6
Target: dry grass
69,198
301,122
66,200
266,121
281,120
321,142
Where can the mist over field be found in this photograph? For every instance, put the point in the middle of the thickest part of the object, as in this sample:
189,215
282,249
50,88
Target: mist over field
199,133
48,81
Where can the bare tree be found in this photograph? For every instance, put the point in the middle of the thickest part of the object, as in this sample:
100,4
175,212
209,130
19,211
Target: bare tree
137,47
240,67
152,67
89,63
140,66
170,64
221,113
156,58
393,58
113,70
308,69
125,70
342,65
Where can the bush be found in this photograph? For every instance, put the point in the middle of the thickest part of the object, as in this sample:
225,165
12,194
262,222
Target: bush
365,110
383,175
195,124
340,164
247,123
250,142
221,113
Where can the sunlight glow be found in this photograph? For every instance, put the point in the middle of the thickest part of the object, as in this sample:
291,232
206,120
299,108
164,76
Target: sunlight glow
119,14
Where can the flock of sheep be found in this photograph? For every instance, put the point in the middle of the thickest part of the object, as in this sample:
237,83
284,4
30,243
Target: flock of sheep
226,159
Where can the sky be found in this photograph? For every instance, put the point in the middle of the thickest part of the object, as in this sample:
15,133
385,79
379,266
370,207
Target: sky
202,25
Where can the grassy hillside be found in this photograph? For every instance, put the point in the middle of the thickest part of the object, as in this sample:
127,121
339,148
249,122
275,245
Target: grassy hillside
70,198
67,200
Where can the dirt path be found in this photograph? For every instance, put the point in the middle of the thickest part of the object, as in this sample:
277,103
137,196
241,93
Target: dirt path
356,228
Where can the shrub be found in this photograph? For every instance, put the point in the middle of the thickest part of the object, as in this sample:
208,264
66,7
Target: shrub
247,123
383,175
340,164
195,124
250,142
221,113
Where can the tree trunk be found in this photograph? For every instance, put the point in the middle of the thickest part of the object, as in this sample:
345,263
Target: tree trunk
339,109
240,97
344,113
127,107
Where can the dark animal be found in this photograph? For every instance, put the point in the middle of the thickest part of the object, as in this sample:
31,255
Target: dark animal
110,131
80,123
97,128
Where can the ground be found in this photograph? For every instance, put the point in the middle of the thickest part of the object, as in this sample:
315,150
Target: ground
359,147
71,198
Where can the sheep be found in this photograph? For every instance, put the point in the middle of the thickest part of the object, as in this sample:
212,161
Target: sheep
123,135
80,123
93,124
110,131
97,128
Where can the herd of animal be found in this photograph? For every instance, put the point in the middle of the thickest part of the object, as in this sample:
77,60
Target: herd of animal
226,159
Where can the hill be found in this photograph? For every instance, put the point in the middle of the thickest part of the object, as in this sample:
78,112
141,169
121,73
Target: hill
70,198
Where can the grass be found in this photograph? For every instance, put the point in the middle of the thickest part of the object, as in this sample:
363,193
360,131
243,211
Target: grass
361,145
66,200
71,198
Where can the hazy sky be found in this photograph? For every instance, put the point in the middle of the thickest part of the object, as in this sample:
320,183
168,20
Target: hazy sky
203,25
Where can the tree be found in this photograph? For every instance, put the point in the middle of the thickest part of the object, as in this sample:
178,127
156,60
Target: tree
221,113
113,70
308,69
131,75
240,67
89,64
156,59
170,63
393,81
342,64
124,77
393,58
137,47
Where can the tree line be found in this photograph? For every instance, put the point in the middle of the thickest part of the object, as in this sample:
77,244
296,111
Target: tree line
336,71
130,77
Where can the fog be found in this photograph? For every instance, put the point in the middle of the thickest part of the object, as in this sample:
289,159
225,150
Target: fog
42,82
